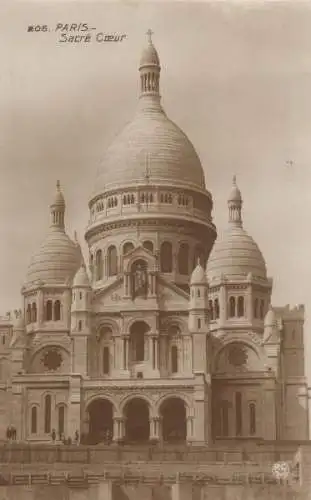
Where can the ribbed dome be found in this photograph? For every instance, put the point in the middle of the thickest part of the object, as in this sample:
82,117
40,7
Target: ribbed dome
236,254
59,257
56,262
81,278
151,141
151,145
149,56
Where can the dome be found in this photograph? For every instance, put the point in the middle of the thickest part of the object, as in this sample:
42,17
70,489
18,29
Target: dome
198,276
236,254
59,200
81,278
59,257
270,318
151,144
235,194
149,56
151,148
56,261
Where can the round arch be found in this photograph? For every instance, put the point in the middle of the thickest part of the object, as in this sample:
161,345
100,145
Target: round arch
100,412
137,420
242,355
173,412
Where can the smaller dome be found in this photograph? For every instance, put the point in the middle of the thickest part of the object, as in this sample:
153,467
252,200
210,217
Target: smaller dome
235,194
149,55
81,278
59,200
198,276
270,318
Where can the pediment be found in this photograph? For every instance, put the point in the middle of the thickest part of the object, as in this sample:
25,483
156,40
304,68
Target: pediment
109,296
139,253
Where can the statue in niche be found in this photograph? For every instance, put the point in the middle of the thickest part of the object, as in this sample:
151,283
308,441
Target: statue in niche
139,279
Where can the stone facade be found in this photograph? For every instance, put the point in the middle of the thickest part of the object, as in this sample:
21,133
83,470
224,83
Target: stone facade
141,343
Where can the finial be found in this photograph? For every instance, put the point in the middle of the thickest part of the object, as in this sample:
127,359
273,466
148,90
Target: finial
149,35
199,261
76,236
234,180
58,185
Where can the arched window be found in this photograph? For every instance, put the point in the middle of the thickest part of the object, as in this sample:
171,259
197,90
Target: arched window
48,310
232,307
166,257
183,259
199,293
137,341
34,312
112,261
99,266
28,314
238,413
127,247
252,419
57,310
240,307
148,245
34,420
262,309
255,308
199,323
47,413
211,309
79,325
106,360
61,419
174,359
216,308
224,419
3,339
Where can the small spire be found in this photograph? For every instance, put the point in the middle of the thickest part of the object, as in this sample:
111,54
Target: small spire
58,186
199,261
149,69
234,180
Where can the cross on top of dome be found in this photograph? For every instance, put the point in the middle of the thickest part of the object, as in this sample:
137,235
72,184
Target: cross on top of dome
149,34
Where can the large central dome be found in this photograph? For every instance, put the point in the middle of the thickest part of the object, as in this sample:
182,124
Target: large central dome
151,146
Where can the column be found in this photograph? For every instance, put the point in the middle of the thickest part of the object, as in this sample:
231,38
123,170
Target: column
151,351
156,353
155,428
189,428
125,352
222,304
40,318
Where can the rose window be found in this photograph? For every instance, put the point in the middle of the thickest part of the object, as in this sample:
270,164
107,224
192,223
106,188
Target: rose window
52,359
237,355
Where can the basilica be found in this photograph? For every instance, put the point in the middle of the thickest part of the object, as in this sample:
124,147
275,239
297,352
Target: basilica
164,332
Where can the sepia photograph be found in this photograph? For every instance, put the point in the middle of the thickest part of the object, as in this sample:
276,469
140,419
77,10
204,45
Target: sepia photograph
155,204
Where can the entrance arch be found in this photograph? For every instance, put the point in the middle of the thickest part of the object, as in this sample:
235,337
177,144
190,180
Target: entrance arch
174,420
137,427
100,421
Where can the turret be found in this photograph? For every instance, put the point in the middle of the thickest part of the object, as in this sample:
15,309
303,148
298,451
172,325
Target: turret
198,305
198,318
80,319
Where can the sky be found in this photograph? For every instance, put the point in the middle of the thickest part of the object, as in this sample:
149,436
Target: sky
236,77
